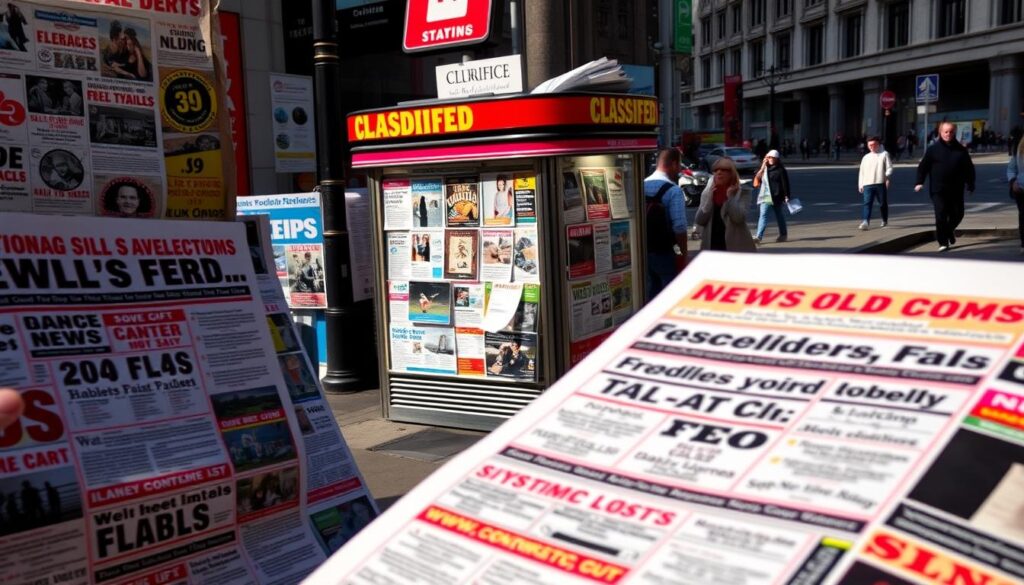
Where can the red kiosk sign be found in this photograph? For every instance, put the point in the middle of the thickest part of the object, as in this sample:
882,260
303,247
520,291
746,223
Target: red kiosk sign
437,24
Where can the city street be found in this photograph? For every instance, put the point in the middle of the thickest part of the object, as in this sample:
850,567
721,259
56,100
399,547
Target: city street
832,207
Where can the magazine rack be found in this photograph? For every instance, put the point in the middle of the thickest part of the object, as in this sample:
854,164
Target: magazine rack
508,243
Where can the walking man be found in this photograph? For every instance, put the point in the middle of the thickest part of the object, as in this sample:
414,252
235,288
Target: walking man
666,221
947,166
873,182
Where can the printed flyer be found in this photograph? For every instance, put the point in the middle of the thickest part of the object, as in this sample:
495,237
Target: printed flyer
499,199
595,191
764,420
617,193
397,204
525,186
496,253
527,255
426,248
469,304
460,263
582,254
113,110
172,420
510,355
462,201
602,248
427,350
427,203
294,125
622,255
572,198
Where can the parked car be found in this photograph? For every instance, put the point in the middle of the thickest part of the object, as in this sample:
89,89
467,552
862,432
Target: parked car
745,159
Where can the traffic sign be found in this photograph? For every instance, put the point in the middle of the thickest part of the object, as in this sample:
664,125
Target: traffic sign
438,24
926,88
887,99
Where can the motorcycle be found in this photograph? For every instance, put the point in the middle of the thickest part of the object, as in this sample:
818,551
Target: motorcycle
692,181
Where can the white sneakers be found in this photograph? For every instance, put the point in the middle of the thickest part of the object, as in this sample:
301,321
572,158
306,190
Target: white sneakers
943,248
884,223
863,226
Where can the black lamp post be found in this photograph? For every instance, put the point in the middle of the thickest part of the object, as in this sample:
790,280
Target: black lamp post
347,366
771,77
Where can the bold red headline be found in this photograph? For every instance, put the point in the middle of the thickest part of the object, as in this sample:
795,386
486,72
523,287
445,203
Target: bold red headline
184,7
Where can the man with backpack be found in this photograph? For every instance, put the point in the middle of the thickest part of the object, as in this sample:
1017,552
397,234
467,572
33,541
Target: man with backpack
665,222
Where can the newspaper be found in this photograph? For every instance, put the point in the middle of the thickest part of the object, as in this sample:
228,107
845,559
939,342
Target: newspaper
113,110
763,420
174,429
599,75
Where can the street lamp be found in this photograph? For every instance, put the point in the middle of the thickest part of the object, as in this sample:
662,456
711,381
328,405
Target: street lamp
771,77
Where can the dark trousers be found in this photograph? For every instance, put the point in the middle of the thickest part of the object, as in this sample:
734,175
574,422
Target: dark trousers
949,212
1020,216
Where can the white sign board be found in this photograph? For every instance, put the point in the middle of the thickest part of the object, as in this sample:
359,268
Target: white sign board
496,76
291,105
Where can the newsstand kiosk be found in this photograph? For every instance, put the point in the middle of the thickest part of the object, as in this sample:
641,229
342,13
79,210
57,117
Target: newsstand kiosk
508,239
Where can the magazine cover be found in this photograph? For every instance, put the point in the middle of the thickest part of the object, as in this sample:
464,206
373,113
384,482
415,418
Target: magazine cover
595,188
429,350
525,186
572,200
462,201
398,209
499,201
496,255
430,302
511,355
527,258
426,252
621,249
527,314
617,193
427,208
460,261
580,244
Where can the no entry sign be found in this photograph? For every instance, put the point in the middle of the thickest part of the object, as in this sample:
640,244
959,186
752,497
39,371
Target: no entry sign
887,99
438,24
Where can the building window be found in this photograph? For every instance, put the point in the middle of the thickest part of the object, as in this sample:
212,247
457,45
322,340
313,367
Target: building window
1010,11
757,9
721,24
783,8
952,18
737,19
852,25
721,68
815,35
897,26
737,62
809,3
756,58
705,72
705,31
783,59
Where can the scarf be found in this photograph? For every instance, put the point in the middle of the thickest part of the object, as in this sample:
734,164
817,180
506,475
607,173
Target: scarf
719,194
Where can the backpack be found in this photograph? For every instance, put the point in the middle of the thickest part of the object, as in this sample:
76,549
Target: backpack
660,237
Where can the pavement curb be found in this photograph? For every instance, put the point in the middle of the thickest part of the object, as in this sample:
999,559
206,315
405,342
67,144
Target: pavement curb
907,241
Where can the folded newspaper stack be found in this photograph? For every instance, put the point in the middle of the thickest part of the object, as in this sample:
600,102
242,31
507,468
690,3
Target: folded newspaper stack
604,74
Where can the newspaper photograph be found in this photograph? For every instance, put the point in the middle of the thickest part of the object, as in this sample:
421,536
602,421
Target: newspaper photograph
498,198
765,420
428,208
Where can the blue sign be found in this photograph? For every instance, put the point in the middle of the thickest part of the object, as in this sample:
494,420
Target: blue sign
926,88
643,79
294,219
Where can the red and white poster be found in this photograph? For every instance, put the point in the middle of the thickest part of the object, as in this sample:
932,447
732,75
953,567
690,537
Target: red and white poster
437,24
231,34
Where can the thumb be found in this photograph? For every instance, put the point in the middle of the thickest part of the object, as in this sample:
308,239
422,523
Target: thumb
11,407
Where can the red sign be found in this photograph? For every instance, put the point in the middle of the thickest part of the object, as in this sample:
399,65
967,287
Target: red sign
732,122
437,24
629,112
230,32
887,99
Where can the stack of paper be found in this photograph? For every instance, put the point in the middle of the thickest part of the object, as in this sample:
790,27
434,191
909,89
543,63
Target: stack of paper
601,75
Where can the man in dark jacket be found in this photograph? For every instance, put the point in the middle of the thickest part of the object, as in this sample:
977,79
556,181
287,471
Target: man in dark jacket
948,167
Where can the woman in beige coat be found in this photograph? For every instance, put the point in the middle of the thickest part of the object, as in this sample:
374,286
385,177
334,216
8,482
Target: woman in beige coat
722,215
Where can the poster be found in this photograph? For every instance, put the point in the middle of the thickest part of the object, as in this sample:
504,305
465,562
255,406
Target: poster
296,232
425,350
426,249
430,302
811,419
572,198
179,432
469,304
602,248
620,287
617,193
527,316
527,255
400,253
496,253
462,201
360,249
398,301
621,245
525,186
502,301
112,111
595,193
590,307
498,198
580,246
511,355
397,204
294,126
428,209
461,262
470,359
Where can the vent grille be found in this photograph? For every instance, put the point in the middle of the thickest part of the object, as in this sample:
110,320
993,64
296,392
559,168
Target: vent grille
439,401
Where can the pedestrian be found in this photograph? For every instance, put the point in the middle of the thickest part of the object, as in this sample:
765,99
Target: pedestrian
911,142
804,148
873,182
1015,136
947,166
901,145
666,222
722,214
837,146
774,182
1015,175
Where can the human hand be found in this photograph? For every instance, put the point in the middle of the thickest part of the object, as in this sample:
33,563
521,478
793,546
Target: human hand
1016,187
917,188
11,407
887,182
861,189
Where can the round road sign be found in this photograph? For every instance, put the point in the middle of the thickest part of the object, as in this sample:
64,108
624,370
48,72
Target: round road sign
887,99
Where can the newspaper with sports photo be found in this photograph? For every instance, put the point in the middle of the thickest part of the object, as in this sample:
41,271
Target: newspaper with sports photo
764,420
174,430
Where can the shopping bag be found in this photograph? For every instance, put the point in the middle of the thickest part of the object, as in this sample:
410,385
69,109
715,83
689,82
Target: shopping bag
794,206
